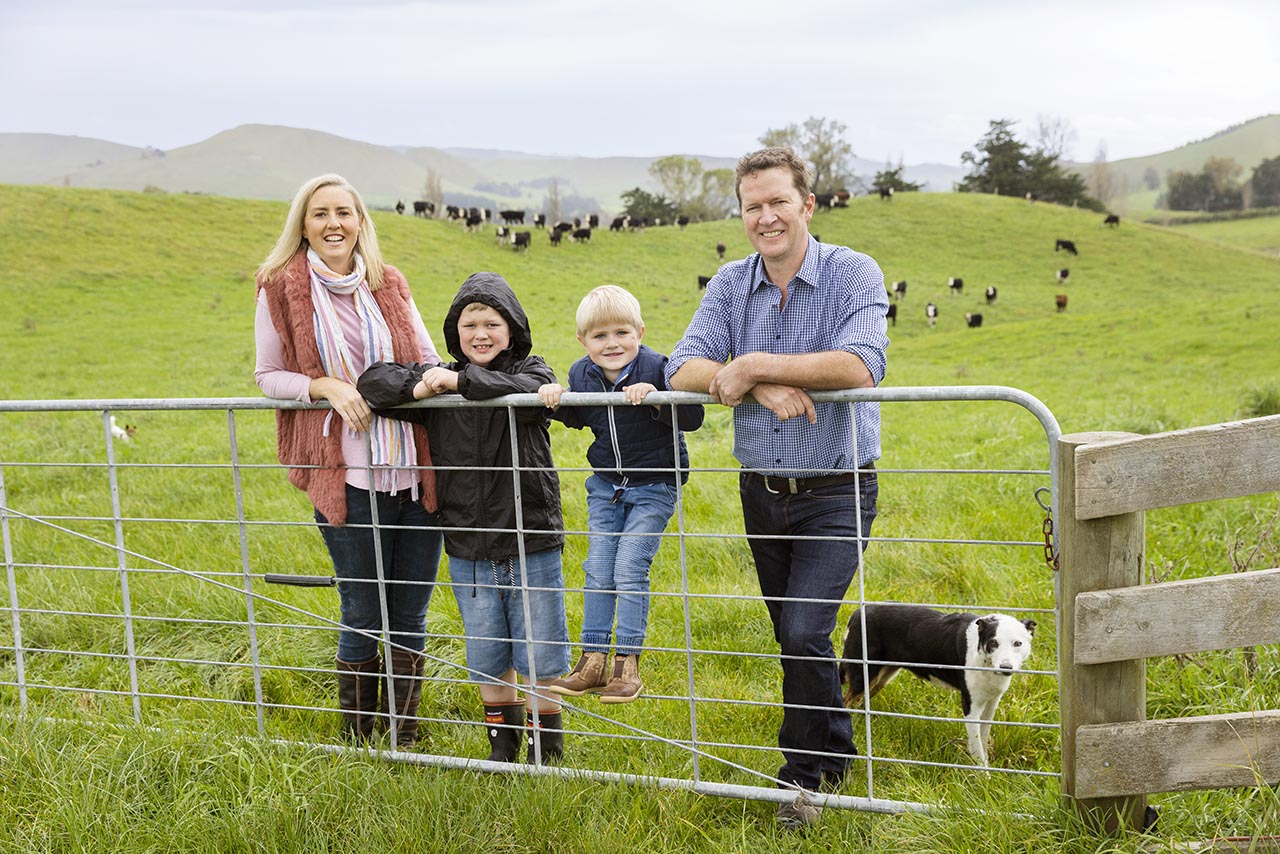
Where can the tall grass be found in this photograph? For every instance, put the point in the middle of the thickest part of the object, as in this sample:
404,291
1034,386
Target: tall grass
148,295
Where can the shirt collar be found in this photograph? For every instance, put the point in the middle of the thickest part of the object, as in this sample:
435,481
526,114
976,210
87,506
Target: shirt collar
808,267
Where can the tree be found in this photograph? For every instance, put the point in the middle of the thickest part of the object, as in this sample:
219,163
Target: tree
1054,135
433,191
679,178
716,197
638,203
1104,185
1265,183
552,205
892,179
1212,189
822,145
1002,164
1151,178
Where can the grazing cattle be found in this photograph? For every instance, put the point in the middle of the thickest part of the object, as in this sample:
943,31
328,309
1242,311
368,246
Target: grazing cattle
424,208
1111,219
931,312
720,250
841,200
400,206
512,217
619,223
502,233
956,285
577,222
974,320
452,212
1066,245
563,226
682,220
593,221
899,289
555,236
1061,302
474,221
520,240
1031,197
886,193
1062,274
823,200
582,234
991,294
892,313
540,220
703,281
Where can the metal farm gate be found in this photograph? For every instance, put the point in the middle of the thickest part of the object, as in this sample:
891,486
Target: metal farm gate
140,576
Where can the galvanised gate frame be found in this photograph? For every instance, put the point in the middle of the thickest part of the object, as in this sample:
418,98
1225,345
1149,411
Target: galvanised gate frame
249,583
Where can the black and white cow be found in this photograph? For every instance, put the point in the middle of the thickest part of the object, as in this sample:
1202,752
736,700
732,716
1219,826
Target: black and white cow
1066,246
1062,274
512,217
1112,219
619,223
886,193
974,320
991,294
581,234
899,289
682,220
400,206
931,312
703,281
540,220
892,313
720,250
956,284
520,240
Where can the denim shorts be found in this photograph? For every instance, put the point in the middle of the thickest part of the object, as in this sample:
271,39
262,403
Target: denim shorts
492,608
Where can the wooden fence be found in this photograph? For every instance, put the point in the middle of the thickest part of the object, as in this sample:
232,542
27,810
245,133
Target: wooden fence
1109,623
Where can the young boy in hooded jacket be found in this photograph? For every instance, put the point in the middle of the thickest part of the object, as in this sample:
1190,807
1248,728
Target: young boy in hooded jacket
487,332
631,493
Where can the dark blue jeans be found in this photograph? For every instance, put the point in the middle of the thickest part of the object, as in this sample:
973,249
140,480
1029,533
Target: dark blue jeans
411,545
804,581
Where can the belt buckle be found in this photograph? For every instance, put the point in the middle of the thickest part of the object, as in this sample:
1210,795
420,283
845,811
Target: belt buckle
791,485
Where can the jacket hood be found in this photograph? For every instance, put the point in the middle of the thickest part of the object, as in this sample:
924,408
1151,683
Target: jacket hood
492,290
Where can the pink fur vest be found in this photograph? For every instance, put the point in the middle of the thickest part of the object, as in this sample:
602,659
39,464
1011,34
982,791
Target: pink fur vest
300,435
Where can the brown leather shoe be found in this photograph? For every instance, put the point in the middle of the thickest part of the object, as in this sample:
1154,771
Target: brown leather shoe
625,685
589,676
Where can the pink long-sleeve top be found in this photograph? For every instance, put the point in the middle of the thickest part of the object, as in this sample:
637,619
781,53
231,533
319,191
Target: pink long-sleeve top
277,381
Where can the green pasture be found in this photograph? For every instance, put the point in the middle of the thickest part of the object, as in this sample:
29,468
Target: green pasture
121,295
1258,233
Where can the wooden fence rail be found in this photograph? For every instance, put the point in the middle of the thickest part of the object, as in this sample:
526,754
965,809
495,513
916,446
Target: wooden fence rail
1109,624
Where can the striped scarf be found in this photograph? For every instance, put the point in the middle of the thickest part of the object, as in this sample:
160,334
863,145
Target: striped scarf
390,441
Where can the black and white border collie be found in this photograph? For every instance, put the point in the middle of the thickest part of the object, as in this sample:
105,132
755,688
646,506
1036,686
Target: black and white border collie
920,638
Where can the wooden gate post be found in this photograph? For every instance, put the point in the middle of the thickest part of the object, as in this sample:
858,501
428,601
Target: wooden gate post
1095,554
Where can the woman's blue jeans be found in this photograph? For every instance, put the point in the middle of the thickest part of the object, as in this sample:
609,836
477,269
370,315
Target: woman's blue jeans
804,576
626,530
411,540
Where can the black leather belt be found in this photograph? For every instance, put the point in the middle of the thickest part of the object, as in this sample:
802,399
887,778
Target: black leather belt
794,485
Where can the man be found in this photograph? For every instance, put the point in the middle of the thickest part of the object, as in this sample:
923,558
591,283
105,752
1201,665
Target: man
797,315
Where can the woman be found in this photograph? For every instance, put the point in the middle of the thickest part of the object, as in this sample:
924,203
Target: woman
327,307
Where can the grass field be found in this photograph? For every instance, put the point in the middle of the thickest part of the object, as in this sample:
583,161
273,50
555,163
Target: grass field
119,295
1259,233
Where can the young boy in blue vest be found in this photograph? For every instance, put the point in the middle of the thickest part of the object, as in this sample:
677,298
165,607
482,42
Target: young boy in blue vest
631,494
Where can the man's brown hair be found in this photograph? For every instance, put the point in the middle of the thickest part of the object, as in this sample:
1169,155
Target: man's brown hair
774,158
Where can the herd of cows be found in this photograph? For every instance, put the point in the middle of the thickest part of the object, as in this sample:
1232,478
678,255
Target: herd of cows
579,230
897,291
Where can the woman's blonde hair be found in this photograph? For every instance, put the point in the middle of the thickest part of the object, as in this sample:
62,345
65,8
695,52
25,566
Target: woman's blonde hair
608,304
292,239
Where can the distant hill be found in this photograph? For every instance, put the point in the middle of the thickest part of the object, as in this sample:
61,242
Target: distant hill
269,162
1248,143
45,158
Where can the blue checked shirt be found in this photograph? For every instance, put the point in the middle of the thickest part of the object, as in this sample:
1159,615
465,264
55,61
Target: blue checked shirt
836,302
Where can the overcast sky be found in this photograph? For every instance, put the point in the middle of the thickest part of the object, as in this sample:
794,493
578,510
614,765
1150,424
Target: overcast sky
911,79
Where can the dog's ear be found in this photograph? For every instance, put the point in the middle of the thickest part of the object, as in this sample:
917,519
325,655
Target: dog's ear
1031,626
986,630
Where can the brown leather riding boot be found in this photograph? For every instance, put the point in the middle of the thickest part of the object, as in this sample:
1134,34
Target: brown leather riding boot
358,697
406,686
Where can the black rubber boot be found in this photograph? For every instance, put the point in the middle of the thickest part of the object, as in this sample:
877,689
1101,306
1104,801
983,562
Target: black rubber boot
504,722
358,697
548,735
406,684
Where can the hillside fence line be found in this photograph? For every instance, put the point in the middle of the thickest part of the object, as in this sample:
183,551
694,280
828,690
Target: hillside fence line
1099,485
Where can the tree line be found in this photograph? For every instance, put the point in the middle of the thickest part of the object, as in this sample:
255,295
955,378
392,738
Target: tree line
1000,163
1216,187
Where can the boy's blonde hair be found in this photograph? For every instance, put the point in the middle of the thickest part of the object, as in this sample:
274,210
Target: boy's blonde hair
608,304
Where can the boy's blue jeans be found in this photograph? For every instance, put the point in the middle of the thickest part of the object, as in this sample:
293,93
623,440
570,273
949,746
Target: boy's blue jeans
626,527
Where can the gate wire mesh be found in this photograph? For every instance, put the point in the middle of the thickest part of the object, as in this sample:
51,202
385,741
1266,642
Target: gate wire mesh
139,588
